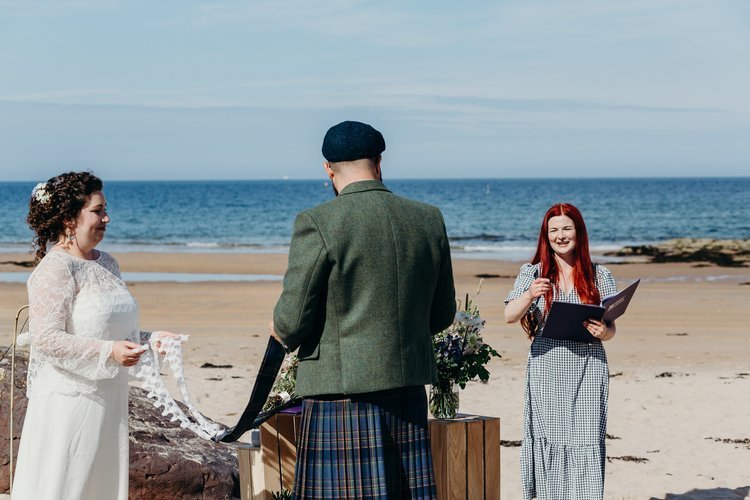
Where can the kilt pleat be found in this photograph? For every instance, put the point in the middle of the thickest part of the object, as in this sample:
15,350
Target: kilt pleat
373,446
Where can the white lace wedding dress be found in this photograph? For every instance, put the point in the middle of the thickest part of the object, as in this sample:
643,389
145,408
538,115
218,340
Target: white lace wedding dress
74,443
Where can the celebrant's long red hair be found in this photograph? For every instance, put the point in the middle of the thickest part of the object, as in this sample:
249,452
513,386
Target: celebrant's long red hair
584,277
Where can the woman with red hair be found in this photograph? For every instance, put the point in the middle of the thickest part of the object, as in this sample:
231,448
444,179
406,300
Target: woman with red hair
567,382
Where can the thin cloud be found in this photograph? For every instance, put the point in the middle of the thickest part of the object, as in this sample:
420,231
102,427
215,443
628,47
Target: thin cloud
561,105
21,8
61,96
299,92
335,97
371,22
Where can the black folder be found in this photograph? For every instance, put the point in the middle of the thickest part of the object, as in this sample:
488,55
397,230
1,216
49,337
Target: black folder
565,320
252,417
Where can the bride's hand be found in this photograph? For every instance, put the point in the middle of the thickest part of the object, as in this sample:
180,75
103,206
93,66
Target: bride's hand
126,353
157,337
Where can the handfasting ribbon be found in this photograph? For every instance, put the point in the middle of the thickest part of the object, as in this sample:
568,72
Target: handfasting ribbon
149,371
252,417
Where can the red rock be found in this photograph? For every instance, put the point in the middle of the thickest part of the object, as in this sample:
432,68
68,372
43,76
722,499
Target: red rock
166,461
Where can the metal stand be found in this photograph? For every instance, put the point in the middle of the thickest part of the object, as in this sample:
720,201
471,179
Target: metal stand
12,390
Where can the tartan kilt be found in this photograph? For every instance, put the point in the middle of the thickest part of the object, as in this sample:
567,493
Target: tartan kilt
374,445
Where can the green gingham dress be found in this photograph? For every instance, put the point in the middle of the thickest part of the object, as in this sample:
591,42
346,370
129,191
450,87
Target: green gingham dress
565,409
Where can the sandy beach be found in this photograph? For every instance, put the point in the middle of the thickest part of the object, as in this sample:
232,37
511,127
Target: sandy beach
679,410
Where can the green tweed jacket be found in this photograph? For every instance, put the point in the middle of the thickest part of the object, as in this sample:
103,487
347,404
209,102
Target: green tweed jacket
369,282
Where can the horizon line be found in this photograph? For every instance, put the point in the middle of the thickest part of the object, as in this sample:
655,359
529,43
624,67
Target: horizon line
385,181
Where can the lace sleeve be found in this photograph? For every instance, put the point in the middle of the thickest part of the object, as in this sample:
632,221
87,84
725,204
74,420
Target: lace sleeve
51,291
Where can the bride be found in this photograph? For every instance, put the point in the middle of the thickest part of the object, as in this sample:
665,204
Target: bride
83,329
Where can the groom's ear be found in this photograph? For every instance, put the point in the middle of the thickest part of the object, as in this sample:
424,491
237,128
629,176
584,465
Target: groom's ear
329,171
378,171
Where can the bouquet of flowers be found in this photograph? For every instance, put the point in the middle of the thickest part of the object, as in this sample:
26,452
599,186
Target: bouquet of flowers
283,388
461,356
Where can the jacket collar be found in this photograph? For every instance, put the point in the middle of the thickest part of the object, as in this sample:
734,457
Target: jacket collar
360,186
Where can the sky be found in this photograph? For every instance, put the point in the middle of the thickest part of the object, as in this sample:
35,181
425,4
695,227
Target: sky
181,89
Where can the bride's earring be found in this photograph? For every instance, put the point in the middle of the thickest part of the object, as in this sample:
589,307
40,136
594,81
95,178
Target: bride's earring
71,236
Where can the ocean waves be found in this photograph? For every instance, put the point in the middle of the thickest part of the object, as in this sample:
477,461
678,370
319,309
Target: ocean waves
490,216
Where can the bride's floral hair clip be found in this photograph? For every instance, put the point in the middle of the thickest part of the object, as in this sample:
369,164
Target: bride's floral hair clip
40,194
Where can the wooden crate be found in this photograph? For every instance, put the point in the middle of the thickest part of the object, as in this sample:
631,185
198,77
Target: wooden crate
465,454
251,472
466,457
278,442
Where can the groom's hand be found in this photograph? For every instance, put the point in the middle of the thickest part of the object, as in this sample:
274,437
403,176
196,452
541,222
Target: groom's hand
274,334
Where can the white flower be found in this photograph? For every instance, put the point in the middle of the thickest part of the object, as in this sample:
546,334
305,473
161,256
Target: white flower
462,317
40,194
476,323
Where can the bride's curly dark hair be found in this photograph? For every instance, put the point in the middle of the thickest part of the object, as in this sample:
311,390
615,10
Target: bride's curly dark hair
62,199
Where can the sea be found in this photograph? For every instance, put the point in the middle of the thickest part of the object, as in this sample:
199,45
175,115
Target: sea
486,218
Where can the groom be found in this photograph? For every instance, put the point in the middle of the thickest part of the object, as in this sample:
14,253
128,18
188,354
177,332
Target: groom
369,282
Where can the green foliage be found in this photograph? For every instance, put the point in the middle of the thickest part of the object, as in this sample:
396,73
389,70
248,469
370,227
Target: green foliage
460,352
282,495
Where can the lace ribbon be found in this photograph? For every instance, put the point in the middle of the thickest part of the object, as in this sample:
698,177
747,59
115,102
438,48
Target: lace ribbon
150,372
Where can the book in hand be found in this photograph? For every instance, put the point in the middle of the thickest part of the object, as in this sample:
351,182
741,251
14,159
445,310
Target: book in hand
565,320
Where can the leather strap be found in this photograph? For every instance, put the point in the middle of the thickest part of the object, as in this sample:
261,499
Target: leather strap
252,417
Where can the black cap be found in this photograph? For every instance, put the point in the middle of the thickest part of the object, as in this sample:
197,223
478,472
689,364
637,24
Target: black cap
349,141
